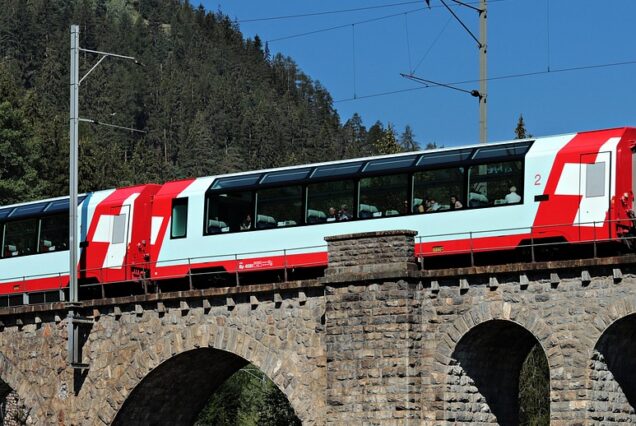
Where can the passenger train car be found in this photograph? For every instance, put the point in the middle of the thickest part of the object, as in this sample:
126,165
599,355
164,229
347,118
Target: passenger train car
573,188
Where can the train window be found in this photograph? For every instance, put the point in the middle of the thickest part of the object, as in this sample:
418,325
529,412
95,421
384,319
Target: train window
286,176
595,180
53,233
440,158
28,210
433,189
20,237
229,212
389,164
329,201
495,184
334,170
236,181
179,221
279,207
384,196
501,151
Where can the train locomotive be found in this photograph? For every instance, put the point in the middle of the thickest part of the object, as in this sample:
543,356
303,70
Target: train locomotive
572,188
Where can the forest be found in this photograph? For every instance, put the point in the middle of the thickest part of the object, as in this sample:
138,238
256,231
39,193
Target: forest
208,101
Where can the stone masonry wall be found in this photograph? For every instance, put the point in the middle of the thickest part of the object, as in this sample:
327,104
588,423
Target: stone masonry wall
373,346
278,329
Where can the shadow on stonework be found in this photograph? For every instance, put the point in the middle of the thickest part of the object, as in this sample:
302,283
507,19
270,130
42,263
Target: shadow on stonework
484,375
176,392
613,373
12,410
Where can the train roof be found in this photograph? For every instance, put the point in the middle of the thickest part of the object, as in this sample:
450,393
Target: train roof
429,151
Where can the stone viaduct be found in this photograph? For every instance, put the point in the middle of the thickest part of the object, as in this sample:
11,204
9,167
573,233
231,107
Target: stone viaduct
376,341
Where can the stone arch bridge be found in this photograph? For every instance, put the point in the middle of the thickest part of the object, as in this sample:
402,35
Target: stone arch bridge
376,341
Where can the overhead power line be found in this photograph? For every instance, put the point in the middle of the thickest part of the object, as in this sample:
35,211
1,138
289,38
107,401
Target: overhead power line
330,12
501,77
366,21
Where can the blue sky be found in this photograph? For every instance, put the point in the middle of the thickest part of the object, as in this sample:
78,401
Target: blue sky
522,38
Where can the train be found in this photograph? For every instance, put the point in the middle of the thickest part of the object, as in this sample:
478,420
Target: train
496,197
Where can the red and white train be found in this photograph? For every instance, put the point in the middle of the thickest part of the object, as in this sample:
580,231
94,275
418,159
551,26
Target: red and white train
573,188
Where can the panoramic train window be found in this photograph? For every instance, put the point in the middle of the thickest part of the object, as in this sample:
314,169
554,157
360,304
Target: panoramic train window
382,196
279,207
229,212
329,201
53,233
434,190
495,184
179,223
20,238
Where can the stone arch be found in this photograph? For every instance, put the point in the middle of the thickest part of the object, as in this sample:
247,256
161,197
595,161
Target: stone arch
222,351
12,380
482,352
612,362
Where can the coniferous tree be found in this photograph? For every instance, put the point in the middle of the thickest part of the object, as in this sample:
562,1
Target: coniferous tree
387,144
407,140
520,130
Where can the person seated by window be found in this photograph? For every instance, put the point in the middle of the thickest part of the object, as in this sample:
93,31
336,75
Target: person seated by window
247,223
332,214
433,205
406,209
513,197
455,204
344,214
477,199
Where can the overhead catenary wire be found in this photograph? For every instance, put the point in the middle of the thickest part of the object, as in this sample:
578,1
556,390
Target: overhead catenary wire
353,57
366,21
433,43
548,31
330,12
501,77
337,27
408,41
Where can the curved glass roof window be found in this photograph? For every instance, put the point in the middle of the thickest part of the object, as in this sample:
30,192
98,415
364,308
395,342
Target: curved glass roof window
5,212
335,170
236,182
502,151
61,205
444,158
285,176
37,209
390,164
28,210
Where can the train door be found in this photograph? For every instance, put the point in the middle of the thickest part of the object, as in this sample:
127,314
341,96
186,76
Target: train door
116,257
594,188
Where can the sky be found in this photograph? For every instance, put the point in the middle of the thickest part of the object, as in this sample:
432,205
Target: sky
366,54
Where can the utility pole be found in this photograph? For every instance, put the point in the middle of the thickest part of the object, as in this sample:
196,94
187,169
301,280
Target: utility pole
482,44
72,183
483,72
74,321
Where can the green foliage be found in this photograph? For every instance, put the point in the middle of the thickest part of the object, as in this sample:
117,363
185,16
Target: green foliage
248,398
210,101
534,389
386,142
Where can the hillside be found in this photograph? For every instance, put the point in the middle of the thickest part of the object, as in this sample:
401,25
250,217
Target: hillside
210,101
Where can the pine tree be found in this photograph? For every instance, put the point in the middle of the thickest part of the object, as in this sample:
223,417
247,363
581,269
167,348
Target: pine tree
407,140
520,130
388,143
